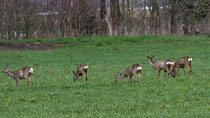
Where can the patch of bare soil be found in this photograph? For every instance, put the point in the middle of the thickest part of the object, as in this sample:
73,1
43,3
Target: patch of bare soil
27,46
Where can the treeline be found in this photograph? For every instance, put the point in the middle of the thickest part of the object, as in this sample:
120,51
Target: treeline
62,18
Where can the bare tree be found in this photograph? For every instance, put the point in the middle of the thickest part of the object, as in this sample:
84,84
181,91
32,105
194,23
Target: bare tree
62,18
103,25
115,16
173,16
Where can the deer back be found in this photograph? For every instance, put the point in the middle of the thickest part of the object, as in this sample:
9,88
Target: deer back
165,64
181,62
130,70
162,64
82,68
23,72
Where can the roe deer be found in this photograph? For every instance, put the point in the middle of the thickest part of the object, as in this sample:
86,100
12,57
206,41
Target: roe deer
181,63
166,65
129,72
81,71
22,73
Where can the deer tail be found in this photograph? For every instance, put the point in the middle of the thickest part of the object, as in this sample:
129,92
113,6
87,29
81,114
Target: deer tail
31,70
170,63
139,68
190,59
86,67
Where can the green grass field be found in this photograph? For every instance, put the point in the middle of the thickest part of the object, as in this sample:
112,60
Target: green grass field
55,94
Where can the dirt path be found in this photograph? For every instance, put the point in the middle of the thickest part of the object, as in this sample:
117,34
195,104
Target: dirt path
27,46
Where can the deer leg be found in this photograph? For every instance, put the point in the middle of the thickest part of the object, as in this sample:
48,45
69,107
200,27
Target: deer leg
158,72
130,79
27,80
136,78
177,71
184,71
78,78
16,82
140,76
168,71
31,80
190,68
164,73
85,76
82,76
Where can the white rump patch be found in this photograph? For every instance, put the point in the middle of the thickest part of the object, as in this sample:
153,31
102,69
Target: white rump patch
171,63
139,68
31,70
86,67
190,59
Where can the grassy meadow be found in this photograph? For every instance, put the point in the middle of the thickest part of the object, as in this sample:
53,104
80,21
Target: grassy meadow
55,94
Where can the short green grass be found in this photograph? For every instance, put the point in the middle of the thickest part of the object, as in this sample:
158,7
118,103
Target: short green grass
55,94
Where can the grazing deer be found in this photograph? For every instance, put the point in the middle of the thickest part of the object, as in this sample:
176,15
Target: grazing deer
81,71
22,73
129,72
181,63
166,65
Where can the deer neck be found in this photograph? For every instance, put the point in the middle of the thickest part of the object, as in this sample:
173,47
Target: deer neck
122,75
10,73
152,63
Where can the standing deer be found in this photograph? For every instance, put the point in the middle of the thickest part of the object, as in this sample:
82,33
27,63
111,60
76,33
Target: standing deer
166,65
129,72
22,73
81,71
181,63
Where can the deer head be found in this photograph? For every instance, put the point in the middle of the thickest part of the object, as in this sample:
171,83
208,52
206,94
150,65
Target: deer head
118,76
5,70
173,71
150,57
75,76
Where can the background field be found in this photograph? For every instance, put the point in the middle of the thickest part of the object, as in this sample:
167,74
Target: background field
55,94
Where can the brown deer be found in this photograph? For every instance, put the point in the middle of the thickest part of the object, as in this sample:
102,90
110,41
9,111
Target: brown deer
81,71
22,73
181,63
129,72
166,65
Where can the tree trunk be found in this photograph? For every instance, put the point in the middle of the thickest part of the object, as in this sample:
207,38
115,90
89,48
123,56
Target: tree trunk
173,15
102,9
115,15
103,25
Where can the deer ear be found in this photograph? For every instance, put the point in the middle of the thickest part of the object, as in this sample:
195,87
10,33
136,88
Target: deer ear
147,56
6,65
73,72
153,56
